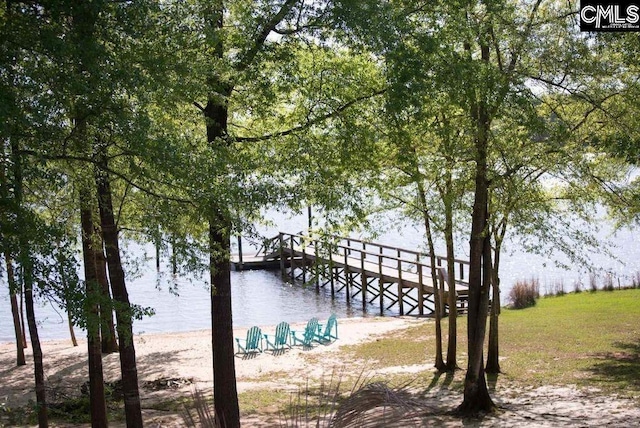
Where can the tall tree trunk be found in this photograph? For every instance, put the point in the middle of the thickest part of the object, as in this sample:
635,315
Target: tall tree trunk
92,292
22,317
15,310
439,363
225,393
174,256
157,241
41,395
72,333
476,393
107,327
493,351
65,284
8,260
452,347
132,408
25,261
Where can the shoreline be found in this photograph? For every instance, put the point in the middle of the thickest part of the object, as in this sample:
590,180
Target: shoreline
179,355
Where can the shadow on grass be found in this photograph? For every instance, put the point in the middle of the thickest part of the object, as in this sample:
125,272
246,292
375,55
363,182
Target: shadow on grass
620,367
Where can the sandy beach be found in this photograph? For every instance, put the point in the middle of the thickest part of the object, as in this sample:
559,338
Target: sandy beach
187,357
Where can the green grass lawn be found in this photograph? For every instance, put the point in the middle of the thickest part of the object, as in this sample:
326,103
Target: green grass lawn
588,339
584,339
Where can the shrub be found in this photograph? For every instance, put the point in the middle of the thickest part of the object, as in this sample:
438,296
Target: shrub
559,288
608,283
577,286
524,293
592,282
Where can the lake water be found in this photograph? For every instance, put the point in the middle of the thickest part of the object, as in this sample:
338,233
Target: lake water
263,298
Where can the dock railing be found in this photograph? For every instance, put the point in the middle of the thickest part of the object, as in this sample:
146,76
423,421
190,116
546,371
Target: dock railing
328,247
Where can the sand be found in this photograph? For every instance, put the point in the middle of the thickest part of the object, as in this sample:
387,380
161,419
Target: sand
187,356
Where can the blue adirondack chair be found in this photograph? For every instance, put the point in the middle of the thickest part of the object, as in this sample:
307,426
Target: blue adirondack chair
330,330
253,342
309,334
281,339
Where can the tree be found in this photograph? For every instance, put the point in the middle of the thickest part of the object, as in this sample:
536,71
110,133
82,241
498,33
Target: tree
253,99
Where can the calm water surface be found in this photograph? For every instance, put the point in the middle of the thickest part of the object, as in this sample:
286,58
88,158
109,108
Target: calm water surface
258,298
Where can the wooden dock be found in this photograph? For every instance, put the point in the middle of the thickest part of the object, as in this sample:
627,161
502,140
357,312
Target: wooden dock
369,272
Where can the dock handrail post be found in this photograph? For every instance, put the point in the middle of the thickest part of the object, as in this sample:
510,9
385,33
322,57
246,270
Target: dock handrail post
420,289
348,246
461,270
316,268
291,259
241,264
281,251
381,282
331,275
400,295
347,277
363,277
304,263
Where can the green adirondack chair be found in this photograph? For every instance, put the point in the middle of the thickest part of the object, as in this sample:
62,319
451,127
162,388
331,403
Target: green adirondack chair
309,335
330,330
253,342
281,339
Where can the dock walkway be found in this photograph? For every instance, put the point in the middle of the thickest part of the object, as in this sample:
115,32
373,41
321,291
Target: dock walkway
371,272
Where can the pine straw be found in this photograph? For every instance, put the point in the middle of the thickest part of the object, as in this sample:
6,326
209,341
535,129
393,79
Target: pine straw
378,405
366,405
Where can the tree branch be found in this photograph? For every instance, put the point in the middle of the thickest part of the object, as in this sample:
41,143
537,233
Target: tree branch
269,26
113,172
310,122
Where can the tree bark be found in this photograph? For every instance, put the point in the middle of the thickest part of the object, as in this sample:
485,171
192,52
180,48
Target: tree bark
493,352
132,408
41,395
225,394
439,363
476,393
92,293
11,280
109,343
15,311
72,333
25,261
452,346
225,391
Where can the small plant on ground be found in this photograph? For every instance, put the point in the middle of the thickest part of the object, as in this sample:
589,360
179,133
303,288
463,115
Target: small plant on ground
524,293
559,288
593,283
577,286
608,283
